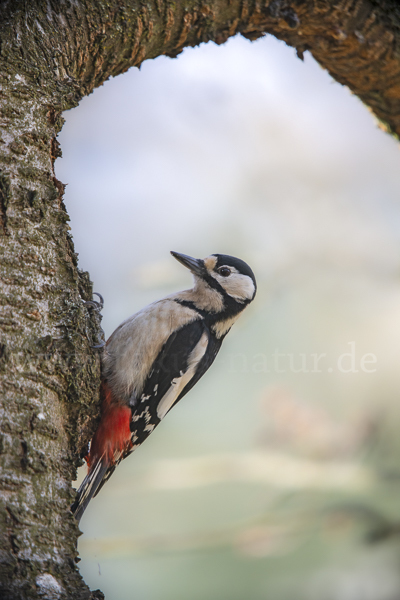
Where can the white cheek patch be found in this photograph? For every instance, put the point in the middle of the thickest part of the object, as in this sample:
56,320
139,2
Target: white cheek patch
240,287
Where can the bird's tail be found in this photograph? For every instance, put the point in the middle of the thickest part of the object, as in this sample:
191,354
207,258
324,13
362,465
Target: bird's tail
89,487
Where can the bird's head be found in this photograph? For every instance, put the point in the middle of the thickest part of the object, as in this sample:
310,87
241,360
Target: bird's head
228,278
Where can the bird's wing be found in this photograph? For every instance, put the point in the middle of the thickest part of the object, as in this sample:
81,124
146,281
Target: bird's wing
184,358
204,364
135,345
181,362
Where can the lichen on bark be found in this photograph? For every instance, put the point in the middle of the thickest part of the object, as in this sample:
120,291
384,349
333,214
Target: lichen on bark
52,53
48,370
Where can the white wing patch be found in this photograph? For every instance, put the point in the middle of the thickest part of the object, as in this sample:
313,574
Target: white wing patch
177,384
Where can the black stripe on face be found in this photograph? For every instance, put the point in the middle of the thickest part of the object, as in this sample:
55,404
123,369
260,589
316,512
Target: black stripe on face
231,305
231,308
213,283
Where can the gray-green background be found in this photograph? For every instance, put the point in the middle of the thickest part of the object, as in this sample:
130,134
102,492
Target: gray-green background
277,477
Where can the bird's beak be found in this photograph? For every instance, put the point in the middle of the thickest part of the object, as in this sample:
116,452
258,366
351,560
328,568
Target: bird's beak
196,265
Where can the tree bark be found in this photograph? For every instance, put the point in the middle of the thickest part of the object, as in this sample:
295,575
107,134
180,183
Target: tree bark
52,53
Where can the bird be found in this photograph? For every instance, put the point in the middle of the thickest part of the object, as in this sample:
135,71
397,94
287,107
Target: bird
156,356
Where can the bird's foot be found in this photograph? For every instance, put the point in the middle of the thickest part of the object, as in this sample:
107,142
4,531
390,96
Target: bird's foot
98,307
94,304
101,340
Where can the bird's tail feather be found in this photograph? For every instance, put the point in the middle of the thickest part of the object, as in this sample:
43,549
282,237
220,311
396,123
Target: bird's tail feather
89,487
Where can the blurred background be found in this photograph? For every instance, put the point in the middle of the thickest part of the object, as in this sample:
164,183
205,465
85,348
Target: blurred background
278,476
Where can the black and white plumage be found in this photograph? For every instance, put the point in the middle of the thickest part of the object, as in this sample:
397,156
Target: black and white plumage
157,355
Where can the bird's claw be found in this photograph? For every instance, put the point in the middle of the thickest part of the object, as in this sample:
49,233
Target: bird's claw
98,306
100,338
94,304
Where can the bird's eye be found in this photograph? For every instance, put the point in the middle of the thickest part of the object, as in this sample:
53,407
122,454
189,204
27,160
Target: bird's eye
224,271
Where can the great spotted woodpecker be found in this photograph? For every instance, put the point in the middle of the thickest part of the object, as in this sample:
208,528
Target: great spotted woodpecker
157,355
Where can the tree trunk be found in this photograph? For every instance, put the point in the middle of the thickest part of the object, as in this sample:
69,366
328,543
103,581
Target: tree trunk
48,371
52,53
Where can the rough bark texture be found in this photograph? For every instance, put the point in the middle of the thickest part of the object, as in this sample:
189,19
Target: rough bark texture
48,371
52,53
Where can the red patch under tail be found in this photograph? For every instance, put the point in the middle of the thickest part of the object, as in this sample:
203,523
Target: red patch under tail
111,440
113,434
